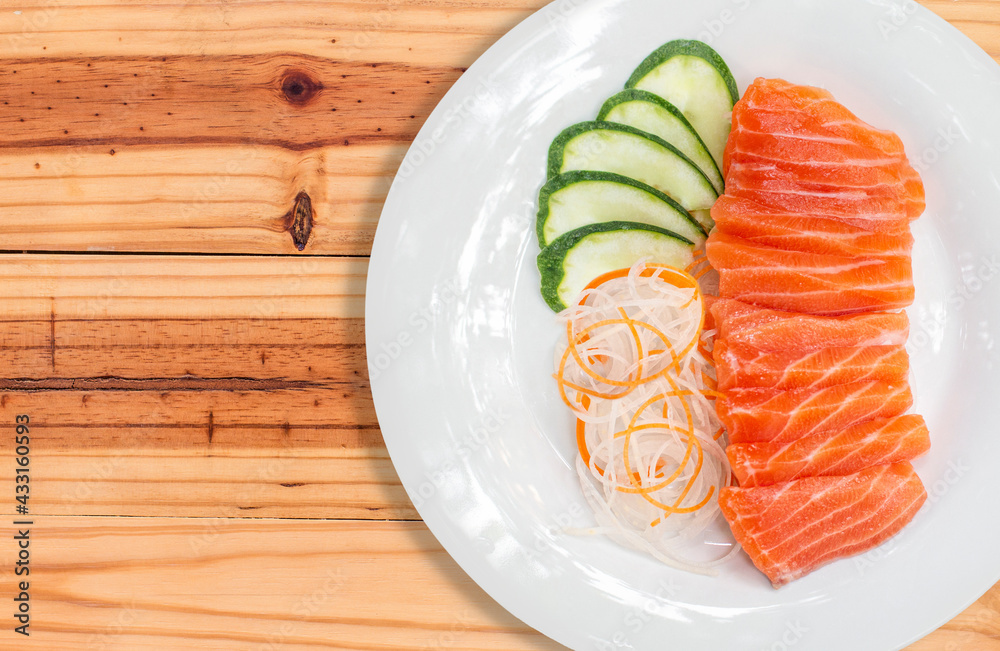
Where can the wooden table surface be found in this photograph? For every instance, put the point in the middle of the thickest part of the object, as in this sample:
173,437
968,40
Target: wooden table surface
188,195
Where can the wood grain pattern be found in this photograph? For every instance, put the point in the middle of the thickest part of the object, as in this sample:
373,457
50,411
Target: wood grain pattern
219,399
421,33
289,84
291,101
218,199
204,583
101,287
194,386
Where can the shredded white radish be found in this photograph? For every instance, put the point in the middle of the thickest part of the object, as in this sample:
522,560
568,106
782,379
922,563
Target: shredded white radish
636,371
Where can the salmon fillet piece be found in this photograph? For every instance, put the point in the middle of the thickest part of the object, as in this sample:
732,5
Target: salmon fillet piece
795,148
742,366
807,106
812,283
762,226
792,528
777,330
752,415
833,452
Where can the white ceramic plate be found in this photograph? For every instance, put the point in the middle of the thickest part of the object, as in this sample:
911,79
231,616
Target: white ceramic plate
460,343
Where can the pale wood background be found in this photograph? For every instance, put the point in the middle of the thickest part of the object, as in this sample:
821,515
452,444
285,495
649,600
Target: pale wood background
208,471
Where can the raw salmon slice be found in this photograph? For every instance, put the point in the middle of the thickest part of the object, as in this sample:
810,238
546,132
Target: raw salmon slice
794,109
850,205
813,106
777,331
836,190
821,157
742,366
761,226
792,528
792,135
809,282
752,415
760,135
795,148
836,452
879,178
872,200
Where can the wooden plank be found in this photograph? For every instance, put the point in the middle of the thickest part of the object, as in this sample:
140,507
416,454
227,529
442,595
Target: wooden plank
424,33
207,583
219,386
292,349
223,198
336,483
292,101
170,287
247,413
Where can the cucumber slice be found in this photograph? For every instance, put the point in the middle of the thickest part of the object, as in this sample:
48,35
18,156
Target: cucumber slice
576,258
580,198
620,149
704,217
653,114
694,78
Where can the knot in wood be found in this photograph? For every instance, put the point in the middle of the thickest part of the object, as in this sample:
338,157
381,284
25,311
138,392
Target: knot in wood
299,87
299,220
